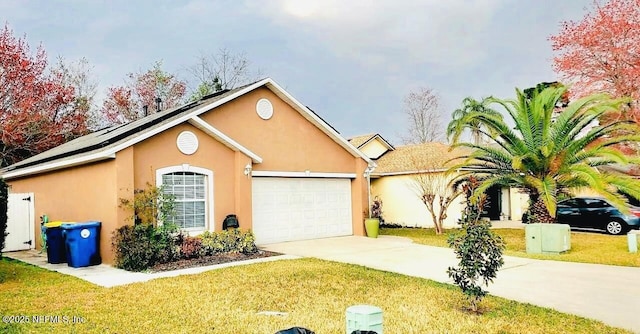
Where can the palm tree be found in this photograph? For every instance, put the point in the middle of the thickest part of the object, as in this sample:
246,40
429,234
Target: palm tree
549,155
469,105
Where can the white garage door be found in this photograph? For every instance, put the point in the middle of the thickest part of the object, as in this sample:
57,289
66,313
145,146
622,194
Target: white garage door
288,209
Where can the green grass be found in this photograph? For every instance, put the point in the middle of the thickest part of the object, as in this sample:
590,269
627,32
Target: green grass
586,247
314,293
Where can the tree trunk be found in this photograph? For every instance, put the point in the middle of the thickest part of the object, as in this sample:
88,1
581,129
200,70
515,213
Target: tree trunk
539,213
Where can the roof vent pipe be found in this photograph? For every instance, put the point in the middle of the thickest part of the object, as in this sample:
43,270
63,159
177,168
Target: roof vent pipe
145,110
158,102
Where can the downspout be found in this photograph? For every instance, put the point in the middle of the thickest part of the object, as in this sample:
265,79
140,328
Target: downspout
367,173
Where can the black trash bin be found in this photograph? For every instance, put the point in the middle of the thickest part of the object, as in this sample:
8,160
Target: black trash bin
56,252
83,244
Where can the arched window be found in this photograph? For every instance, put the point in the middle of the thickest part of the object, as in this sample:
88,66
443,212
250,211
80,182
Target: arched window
192,189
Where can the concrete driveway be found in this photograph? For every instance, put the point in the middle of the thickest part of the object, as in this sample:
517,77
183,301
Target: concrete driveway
607,293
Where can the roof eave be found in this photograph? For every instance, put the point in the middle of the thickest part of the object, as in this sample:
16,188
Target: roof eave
224,139
55,165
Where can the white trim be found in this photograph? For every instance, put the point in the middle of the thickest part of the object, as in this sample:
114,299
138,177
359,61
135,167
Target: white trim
259,173
58,165
384,142
221,137
410,172
209,207
187,116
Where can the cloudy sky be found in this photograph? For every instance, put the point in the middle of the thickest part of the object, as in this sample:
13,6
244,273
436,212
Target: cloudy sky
352,61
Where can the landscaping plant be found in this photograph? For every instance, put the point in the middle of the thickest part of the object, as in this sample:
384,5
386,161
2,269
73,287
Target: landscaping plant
477,247
141,246
150,205
151,239
191,247
229,241
549,148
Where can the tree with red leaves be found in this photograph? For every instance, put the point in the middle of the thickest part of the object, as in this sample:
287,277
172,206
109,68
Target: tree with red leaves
36,106
601,53
125,103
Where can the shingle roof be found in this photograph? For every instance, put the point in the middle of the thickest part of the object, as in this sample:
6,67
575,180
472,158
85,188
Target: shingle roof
357,141
418,157
112,136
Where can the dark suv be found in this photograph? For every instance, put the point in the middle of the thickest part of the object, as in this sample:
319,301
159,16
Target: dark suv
595,212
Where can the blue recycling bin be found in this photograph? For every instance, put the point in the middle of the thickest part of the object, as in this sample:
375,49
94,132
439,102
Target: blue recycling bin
82,242
56,249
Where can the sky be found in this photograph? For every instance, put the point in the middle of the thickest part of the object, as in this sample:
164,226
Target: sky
351,61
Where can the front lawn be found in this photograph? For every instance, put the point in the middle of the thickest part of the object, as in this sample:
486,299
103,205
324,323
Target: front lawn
586,247
314,294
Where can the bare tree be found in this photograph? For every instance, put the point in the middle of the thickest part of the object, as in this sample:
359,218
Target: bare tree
78,74
222,70
422,111
434,187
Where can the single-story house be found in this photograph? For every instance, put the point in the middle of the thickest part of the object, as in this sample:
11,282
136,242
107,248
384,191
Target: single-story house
400,169
254,151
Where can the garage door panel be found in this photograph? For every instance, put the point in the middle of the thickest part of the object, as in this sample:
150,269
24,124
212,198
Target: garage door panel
287,209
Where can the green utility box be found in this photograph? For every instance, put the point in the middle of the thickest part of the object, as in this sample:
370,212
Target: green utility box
533,235
547,238
364,318
632,241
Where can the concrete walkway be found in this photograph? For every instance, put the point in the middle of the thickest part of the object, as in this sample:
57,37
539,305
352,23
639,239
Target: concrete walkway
607,293
108,276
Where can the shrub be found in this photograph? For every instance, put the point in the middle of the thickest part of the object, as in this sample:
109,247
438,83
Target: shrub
477,247
191,247
376,209
4,201
229,241
166,242
141,246
150,205
132,245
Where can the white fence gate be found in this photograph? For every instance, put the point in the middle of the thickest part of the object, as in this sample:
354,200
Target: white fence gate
20,224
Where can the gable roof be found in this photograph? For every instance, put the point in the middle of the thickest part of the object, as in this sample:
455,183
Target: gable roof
360,141
104,144
410,159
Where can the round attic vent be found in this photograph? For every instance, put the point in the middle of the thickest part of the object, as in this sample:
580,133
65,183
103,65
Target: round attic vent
264,108
187,142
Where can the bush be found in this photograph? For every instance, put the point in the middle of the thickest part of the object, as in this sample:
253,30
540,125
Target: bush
141,246
229,241
150,206
4,201
166,242
478,249
132,245
191,247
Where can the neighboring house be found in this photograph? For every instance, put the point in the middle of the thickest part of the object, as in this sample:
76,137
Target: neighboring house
253,151
398,169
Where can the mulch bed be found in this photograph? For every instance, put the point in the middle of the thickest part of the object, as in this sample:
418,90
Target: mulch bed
210,260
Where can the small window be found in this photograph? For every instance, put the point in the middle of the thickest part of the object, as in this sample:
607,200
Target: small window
189,190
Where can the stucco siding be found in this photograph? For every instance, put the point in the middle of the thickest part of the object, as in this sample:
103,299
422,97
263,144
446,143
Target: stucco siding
76,194
373,149
286,142
161,151
401,205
